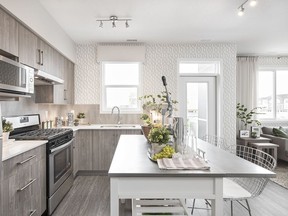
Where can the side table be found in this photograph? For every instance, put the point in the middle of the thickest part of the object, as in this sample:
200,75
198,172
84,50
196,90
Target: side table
247,140
269,148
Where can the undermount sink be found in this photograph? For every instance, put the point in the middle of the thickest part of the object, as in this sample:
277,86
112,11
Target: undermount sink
117,126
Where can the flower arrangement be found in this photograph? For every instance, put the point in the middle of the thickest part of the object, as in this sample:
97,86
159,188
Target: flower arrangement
7,126
160,135
246,116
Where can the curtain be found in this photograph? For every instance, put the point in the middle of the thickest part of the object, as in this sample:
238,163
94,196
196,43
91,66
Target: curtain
246,77
247,73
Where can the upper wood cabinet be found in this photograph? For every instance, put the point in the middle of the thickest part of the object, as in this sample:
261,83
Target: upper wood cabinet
8,33
36,53
28,48
58,94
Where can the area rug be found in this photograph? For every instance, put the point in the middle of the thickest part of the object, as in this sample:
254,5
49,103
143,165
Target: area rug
282,173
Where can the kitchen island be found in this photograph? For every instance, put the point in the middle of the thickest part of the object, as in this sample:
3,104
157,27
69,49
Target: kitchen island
133,175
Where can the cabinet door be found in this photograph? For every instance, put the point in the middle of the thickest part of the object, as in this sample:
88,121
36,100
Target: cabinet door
69,82
107,142
22,183
75,155
84,142
29,54
8,33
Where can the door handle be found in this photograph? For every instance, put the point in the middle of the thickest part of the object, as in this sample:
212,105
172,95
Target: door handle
42,58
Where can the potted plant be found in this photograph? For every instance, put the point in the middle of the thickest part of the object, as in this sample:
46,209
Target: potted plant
81,117
7,128
159,137
247,117
76,122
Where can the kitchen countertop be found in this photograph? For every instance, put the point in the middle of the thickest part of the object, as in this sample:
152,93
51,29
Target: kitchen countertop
131,160
105,127
14,148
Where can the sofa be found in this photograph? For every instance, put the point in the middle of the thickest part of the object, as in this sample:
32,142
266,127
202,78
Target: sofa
281,141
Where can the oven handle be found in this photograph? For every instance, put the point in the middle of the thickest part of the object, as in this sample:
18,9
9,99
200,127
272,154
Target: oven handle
62,146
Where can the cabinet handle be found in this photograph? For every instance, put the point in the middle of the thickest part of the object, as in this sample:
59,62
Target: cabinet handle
32,212
39,57
23,188
42,58
65,94
28,159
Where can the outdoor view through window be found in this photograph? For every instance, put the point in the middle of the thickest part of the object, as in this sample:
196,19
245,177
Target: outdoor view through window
273,94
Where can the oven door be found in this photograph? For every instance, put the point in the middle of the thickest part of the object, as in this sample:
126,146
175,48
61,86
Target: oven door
60,166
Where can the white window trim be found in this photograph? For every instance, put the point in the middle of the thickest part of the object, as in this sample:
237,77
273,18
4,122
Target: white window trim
219,86
103,106
273,69
207,61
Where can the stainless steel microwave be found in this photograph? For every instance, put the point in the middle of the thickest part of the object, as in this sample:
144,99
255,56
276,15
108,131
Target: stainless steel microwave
15,77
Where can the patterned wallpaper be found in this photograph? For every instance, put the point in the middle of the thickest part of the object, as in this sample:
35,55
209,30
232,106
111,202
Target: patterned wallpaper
273,61
161,59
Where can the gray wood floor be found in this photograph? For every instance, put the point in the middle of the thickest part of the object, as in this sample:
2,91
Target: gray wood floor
89,196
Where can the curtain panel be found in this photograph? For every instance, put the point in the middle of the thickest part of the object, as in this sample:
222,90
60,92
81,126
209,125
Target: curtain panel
246,76
246,81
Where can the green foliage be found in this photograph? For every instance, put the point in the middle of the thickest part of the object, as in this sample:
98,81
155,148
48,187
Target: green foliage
246,116
81,115
7,126
159,135
146,119
154,103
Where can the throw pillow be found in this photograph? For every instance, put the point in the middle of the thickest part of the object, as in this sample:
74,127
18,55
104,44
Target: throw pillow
284,129
280,133
267,130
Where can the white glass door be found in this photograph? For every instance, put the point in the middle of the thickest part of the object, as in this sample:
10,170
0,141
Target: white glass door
197,104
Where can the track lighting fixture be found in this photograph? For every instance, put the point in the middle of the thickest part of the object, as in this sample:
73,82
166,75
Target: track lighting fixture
101,24
241,7
113,19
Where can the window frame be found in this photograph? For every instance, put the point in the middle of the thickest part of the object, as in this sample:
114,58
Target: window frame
103,104
274,93
217,62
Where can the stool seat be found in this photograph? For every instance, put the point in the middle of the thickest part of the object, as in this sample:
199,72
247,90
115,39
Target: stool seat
270,148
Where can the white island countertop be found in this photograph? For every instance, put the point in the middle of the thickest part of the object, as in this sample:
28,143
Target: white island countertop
131,160
14,148
105,127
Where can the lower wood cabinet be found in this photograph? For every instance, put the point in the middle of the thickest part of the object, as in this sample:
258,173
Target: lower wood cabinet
84,143
23,186
96,148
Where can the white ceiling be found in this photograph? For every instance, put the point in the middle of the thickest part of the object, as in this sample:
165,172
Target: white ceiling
263,30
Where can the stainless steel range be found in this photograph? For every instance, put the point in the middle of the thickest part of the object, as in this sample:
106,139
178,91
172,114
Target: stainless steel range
59,154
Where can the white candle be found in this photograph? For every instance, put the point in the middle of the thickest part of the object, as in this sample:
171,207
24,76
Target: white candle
46,115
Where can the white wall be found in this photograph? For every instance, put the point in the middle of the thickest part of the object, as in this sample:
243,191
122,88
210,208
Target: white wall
32,13
161,59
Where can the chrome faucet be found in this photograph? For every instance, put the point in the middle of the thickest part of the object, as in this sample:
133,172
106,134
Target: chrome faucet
116,107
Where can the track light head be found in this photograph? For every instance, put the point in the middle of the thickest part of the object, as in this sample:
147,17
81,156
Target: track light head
126,23
101,24
113,24
241,11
